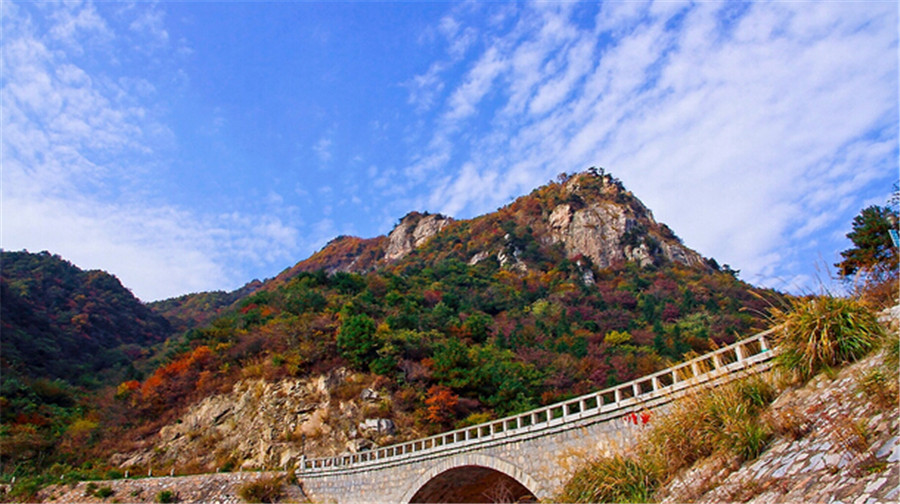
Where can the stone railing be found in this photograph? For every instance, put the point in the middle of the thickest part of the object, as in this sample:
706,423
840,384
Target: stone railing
750,354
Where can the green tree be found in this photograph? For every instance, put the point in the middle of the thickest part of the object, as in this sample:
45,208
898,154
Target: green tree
356,340
873,255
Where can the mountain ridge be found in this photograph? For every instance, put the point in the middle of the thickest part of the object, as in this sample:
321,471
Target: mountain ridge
440,323
591,215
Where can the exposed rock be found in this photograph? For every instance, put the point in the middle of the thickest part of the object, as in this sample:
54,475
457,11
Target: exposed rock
257,425
358,445
412,232
382,426
609,231
477,258
368,394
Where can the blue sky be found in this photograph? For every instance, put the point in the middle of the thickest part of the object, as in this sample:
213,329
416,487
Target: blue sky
188,146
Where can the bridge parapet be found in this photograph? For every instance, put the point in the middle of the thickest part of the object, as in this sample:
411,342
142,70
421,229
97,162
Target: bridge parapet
721,365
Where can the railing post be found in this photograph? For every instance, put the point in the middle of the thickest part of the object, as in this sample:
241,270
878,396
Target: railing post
636,389
762,343
695,369
717,362
655,382
739,352
618,394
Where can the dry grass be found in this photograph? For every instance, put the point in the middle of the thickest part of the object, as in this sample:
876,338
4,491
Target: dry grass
725,420
264,489
824,332
814,334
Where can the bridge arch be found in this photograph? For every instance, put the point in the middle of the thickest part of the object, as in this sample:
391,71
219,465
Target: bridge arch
483,464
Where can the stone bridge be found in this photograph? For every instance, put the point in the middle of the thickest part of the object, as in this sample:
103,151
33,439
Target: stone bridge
528,456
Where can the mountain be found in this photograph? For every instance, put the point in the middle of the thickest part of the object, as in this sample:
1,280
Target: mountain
66,334
590,215
445,322
196,309
61,322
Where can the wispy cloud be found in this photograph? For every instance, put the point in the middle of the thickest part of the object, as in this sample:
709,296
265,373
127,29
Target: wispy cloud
748,128
77,148
323,148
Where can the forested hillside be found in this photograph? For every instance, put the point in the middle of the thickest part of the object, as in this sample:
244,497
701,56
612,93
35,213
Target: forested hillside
568,289
481,317
62,322
66,334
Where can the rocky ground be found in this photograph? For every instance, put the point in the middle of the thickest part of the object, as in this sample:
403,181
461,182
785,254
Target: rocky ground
838,442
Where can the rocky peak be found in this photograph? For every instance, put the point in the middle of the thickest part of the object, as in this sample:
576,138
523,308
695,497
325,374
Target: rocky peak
604,221
413,231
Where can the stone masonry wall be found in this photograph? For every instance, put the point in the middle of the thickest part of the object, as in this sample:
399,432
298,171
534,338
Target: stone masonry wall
542,462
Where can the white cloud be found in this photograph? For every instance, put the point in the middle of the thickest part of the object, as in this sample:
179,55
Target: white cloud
478,83
78,149
77,24
424,89
323,147
749,129
151,23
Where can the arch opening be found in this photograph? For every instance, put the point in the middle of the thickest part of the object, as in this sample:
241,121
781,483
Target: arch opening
472,483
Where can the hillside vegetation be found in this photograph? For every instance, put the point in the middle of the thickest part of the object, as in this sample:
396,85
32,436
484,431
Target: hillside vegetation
704,437
571,288
66,334
474,320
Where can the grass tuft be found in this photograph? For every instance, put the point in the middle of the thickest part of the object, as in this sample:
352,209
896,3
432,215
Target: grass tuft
823,332
264,489
615,478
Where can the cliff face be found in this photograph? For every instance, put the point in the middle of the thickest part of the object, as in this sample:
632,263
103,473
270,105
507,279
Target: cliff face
412,232
260,424
615,228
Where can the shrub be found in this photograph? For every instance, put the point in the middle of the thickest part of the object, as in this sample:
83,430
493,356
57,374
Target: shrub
165,497
265,489
25,489
104,492
880,383
824,331
114,474
616,478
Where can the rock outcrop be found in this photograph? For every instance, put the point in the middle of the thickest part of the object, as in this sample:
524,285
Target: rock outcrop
412,232
591,214
615,228
268,425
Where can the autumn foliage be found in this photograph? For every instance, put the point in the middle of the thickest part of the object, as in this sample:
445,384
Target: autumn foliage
449,338
441,403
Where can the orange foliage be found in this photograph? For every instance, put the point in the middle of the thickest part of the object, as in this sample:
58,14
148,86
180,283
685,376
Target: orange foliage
441,404
174,369
126,388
